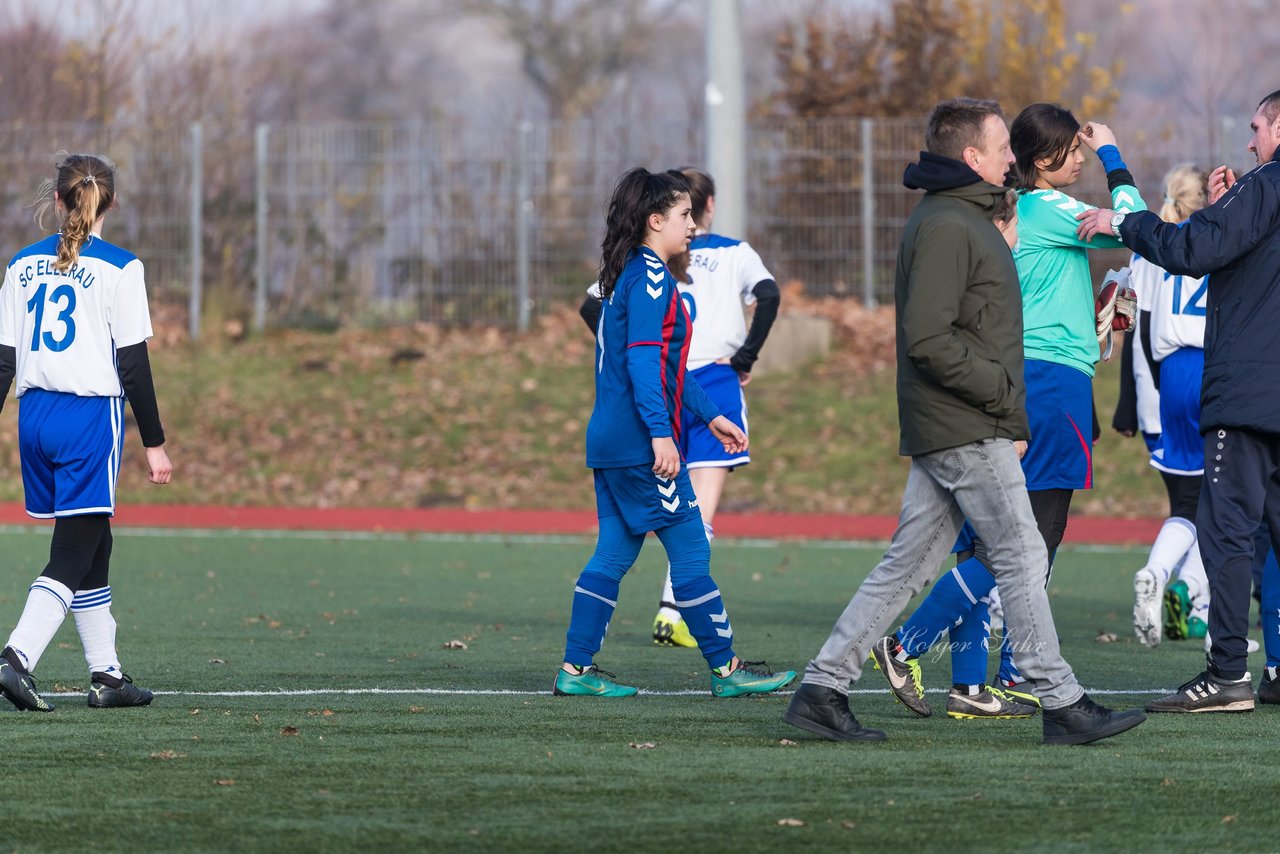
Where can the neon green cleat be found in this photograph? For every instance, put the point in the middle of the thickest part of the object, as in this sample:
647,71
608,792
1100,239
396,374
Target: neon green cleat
669,633
1024,697
1177,606
1196,628
750,677
905,679
591,682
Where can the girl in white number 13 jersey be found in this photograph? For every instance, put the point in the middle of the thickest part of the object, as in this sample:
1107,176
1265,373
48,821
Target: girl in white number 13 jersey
74,326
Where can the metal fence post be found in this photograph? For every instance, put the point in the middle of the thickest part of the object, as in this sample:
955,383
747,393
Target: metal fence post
868,214
524,213
197,231
260,211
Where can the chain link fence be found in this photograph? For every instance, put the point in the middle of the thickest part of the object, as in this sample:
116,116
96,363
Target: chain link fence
154,213
326,225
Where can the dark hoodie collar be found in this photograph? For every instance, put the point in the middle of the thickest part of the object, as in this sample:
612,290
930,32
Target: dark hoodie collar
934,173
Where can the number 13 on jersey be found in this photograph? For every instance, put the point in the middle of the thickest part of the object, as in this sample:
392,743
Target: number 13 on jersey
63,301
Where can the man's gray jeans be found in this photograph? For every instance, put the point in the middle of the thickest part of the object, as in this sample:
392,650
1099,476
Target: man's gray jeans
981,482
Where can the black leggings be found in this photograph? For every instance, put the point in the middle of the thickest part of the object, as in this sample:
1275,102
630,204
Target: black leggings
80,553
1050,507
1184,494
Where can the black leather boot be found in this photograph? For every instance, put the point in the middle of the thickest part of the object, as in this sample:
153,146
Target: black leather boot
1085,721
825,712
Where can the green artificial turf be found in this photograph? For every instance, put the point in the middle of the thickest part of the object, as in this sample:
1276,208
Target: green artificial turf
435,763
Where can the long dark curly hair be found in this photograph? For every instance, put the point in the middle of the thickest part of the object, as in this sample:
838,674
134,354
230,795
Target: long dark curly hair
638,194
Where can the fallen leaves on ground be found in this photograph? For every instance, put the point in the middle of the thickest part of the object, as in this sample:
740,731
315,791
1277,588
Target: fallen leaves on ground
166,755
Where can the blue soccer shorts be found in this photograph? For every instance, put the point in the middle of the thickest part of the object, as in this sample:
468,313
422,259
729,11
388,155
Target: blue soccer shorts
70,448
1060,411
645,501
699,447
1181,448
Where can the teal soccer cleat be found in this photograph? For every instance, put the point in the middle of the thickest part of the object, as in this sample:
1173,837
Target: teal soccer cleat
749,677
591,682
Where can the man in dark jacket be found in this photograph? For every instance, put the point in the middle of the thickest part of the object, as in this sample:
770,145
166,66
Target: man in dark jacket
1236,242
961,411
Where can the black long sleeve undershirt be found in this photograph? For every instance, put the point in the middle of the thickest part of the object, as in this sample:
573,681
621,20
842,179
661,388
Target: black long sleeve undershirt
768,299
590,312
135,377
1119,178
8,367
1125,419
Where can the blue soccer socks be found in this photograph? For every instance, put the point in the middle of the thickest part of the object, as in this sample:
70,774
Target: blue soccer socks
708,620
594,598
969,646
951,600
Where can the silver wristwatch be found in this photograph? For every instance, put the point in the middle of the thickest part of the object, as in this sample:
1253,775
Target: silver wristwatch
1116,219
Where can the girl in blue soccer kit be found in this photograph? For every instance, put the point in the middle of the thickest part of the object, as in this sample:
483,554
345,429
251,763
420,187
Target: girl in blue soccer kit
716,277
74,325
642,392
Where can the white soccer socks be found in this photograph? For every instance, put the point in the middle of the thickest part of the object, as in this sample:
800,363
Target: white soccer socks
97,628
46,608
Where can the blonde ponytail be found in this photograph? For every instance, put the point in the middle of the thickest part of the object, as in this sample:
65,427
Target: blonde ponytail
86,187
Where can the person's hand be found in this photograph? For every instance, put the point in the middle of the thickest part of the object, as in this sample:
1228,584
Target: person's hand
729,434
1220,180
1096,221
158,462
1021,447
666,459
744,377
1128,434
1096,135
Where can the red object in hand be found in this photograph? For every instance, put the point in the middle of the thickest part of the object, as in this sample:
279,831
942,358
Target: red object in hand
1115,307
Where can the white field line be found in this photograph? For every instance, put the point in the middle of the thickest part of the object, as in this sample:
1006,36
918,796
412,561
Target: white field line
436,537
503,692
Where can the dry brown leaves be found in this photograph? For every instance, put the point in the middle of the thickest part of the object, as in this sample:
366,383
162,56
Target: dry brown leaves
167,755
484,420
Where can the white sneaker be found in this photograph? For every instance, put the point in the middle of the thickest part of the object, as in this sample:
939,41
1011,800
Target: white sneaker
1250,642
1148,594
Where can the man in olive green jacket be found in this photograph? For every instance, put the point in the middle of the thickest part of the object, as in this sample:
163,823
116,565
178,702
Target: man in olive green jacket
959,315
961,410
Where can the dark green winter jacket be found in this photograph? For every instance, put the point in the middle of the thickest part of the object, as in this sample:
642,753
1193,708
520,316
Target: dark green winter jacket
959,323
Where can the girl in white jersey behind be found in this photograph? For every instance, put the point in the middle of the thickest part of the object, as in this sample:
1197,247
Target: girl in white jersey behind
74,325
722,276
1172,342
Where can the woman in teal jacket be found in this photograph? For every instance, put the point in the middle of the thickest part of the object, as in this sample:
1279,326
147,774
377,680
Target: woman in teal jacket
1058,301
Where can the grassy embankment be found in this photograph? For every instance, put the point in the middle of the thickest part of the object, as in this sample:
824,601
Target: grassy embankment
427,417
